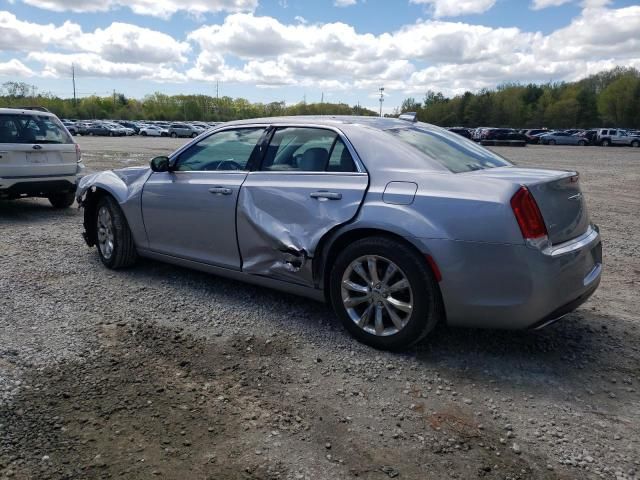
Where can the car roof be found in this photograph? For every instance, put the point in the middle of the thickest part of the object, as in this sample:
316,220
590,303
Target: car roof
380,123
23,111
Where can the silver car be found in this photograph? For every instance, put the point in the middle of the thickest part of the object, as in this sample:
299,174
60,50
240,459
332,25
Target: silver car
562,138
398,224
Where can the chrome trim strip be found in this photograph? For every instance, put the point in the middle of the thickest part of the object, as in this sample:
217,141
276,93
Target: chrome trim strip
356,158
571,246
592,275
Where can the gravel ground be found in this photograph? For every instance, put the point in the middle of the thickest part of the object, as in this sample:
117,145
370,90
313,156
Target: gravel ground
162,372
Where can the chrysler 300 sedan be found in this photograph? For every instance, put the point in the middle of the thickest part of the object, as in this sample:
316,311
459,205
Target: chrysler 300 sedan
397,224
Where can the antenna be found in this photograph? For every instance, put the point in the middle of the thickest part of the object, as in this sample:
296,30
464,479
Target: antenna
381,89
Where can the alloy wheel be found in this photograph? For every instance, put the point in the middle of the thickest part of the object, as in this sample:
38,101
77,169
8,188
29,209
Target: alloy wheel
106,237
377,295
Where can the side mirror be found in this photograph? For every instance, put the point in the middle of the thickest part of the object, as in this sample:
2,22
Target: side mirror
160,164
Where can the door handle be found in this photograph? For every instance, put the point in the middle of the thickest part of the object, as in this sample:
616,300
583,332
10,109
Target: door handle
220,191
327,195
37,147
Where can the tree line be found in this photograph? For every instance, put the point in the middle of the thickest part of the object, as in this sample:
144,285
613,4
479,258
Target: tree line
159,106
609,98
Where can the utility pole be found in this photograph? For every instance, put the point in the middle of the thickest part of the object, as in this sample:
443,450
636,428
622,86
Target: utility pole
73,79
322,98
114,99
217,92
381,89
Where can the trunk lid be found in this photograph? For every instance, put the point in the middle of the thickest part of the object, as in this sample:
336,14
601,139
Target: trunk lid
23,160
557,194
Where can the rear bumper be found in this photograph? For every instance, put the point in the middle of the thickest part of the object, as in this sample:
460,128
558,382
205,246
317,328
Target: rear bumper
515,286
39,186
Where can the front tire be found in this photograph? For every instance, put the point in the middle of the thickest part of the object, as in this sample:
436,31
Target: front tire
174,135
384,293
61,200
635,144
605,143
114,240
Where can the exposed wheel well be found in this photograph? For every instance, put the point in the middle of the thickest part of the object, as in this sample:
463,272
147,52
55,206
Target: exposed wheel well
89,205
330,249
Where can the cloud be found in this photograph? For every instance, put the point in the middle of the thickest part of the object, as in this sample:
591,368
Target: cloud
540,4
92,65
455,8
263,51
155,8
118,42
344,3
15,68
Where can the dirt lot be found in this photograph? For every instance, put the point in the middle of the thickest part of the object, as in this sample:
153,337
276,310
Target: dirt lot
161,372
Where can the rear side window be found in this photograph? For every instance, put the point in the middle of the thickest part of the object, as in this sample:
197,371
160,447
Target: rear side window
452,151
307,150
32,129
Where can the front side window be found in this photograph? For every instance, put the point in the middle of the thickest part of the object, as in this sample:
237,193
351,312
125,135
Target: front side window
307,150
32,129
450,150
226,150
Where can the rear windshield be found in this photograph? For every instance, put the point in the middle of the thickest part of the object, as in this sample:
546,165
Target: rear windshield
32,128
449,149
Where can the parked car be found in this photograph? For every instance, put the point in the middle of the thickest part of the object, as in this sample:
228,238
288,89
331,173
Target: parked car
503,134
104,129
464,132
562,138
183,130
131,125
611,136
38,157
590,136
153,131
533,135
71,127
398,224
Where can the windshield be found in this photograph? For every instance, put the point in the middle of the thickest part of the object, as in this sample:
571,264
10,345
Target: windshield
32,129
449,149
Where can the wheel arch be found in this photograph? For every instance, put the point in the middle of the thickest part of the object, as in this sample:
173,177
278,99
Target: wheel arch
334,241
89,205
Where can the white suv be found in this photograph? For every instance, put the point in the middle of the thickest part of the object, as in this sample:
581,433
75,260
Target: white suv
38,157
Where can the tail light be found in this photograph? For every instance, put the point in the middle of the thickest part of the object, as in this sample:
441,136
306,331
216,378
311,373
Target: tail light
528,215
78,153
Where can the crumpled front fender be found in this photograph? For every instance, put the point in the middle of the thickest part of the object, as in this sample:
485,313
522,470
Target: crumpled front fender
125,186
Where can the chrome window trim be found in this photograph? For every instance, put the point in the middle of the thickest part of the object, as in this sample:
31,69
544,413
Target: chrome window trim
361,169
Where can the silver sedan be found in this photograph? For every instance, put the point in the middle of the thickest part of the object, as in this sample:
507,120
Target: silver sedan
562,138
398,224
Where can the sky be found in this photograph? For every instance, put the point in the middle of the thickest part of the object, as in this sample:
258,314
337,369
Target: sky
295,50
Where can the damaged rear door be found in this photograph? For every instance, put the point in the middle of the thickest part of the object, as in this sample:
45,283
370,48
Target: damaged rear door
307,184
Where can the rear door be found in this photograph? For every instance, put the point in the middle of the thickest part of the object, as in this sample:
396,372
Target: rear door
308,183
35,146
190,212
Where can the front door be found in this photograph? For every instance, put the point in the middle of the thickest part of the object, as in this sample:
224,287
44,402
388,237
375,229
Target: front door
307,184
190,211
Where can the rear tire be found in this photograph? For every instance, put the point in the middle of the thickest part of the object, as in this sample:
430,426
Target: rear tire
144,134
377,321
552,142
635,144
174,135
194,135
605,143
114,240
61,200
582,143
